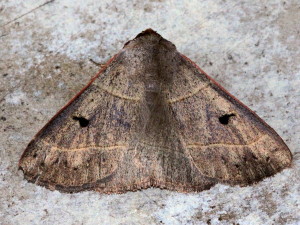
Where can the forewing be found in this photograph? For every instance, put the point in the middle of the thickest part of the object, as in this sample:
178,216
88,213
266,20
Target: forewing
82,146
224,138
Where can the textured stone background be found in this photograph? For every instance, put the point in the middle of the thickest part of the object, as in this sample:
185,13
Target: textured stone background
251,47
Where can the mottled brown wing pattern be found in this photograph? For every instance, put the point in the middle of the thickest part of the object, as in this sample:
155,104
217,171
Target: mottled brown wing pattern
225,139
152,119
84,144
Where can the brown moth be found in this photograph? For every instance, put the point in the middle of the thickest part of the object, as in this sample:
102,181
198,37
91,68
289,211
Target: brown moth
152,118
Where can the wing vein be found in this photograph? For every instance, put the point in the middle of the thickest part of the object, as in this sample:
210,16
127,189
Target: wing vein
195,145
119,95
92,147
194,92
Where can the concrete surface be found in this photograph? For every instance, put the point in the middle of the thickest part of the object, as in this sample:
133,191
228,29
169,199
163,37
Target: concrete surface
249,47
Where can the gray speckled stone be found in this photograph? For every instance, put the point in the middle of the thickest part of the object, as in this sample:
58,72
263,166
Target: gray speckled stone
250,47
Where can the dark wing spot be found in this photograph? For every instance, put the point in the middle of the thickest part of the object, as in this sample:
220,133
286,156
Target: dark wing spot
82,121
225,118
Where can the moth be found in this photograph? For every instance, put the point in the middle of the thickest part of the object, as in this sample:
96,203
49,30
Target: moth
152,118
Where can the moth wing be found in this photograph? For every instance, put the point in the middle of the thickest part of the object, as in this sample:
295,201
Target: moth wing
225,140
83,144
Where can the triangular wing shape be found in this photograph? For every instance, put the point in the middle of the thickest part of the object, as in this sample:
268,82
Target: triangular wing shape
152,118
224,139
